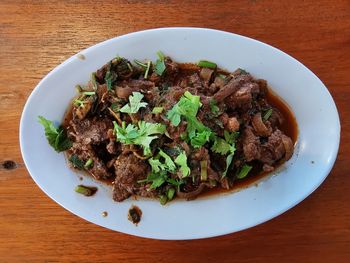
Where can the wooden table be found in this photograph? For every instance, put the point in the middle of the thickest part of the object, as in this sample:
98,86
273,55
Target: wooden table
35,37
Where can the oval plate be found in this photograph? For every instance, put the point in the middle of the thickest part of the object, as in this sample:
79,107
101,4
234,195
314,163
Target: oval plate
316,149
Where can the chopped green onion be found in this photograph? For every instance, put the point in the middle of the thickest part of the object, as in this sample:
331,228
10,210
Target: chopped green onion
160,55
244,171
163,199
85,190
79,103
89,163
157,110
206,64
170,194
204,167
129,66
147,69
267,114
89,93
139,63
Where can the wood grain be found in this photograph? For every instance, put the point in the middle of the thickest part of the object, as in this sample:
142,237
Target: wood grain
35,36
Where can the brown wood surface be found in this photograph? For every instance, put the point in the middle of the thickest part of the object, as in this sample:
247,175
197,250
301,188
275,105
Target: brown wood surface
36,36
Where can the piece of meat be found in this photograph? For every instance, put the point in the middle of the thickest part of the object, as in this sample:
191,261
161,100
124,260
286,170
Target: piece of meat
276,119
232,86
251,144
91,131
206,74
195,81
193,194
128,170
101,73
225,183
127,87
268,168
171,97
85,152
243,97
171,69
219,82
232,124
81,111
260,128
288,146
273,150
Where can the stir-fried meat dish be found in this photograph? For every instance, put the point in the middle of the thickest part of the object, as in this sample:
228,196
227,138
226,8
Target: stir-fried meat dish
169,130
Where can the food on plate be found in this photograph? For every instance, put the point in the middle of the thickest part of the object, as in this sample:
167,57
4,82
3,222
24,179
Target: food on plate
134,214
163,129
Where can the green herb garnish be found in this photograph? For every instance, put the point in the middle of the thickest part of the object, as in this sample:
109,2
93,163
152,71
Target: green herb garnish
159,67
110,77
206,64
181,161
225,146
170,193
163,199
88,93
56,137
147,69
267,114
244,171
79,103
85,190
157,110
134,103
139,63
76,162
204,167
214,108
141,135
188,107
89,163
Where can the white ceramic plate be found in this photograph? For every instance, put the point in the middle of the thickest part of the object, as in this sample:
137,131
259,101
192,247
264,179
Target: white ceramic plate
316,149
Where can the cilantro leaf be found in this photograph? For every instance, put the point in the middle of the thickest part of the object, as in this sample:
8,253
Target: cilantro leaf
140,135
159,67
135,103
220,146
228,162
170,165
110,77
231,137
200,138
56,137
188,107
157,179
244,171
226,146
156,165
214,108
181,160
